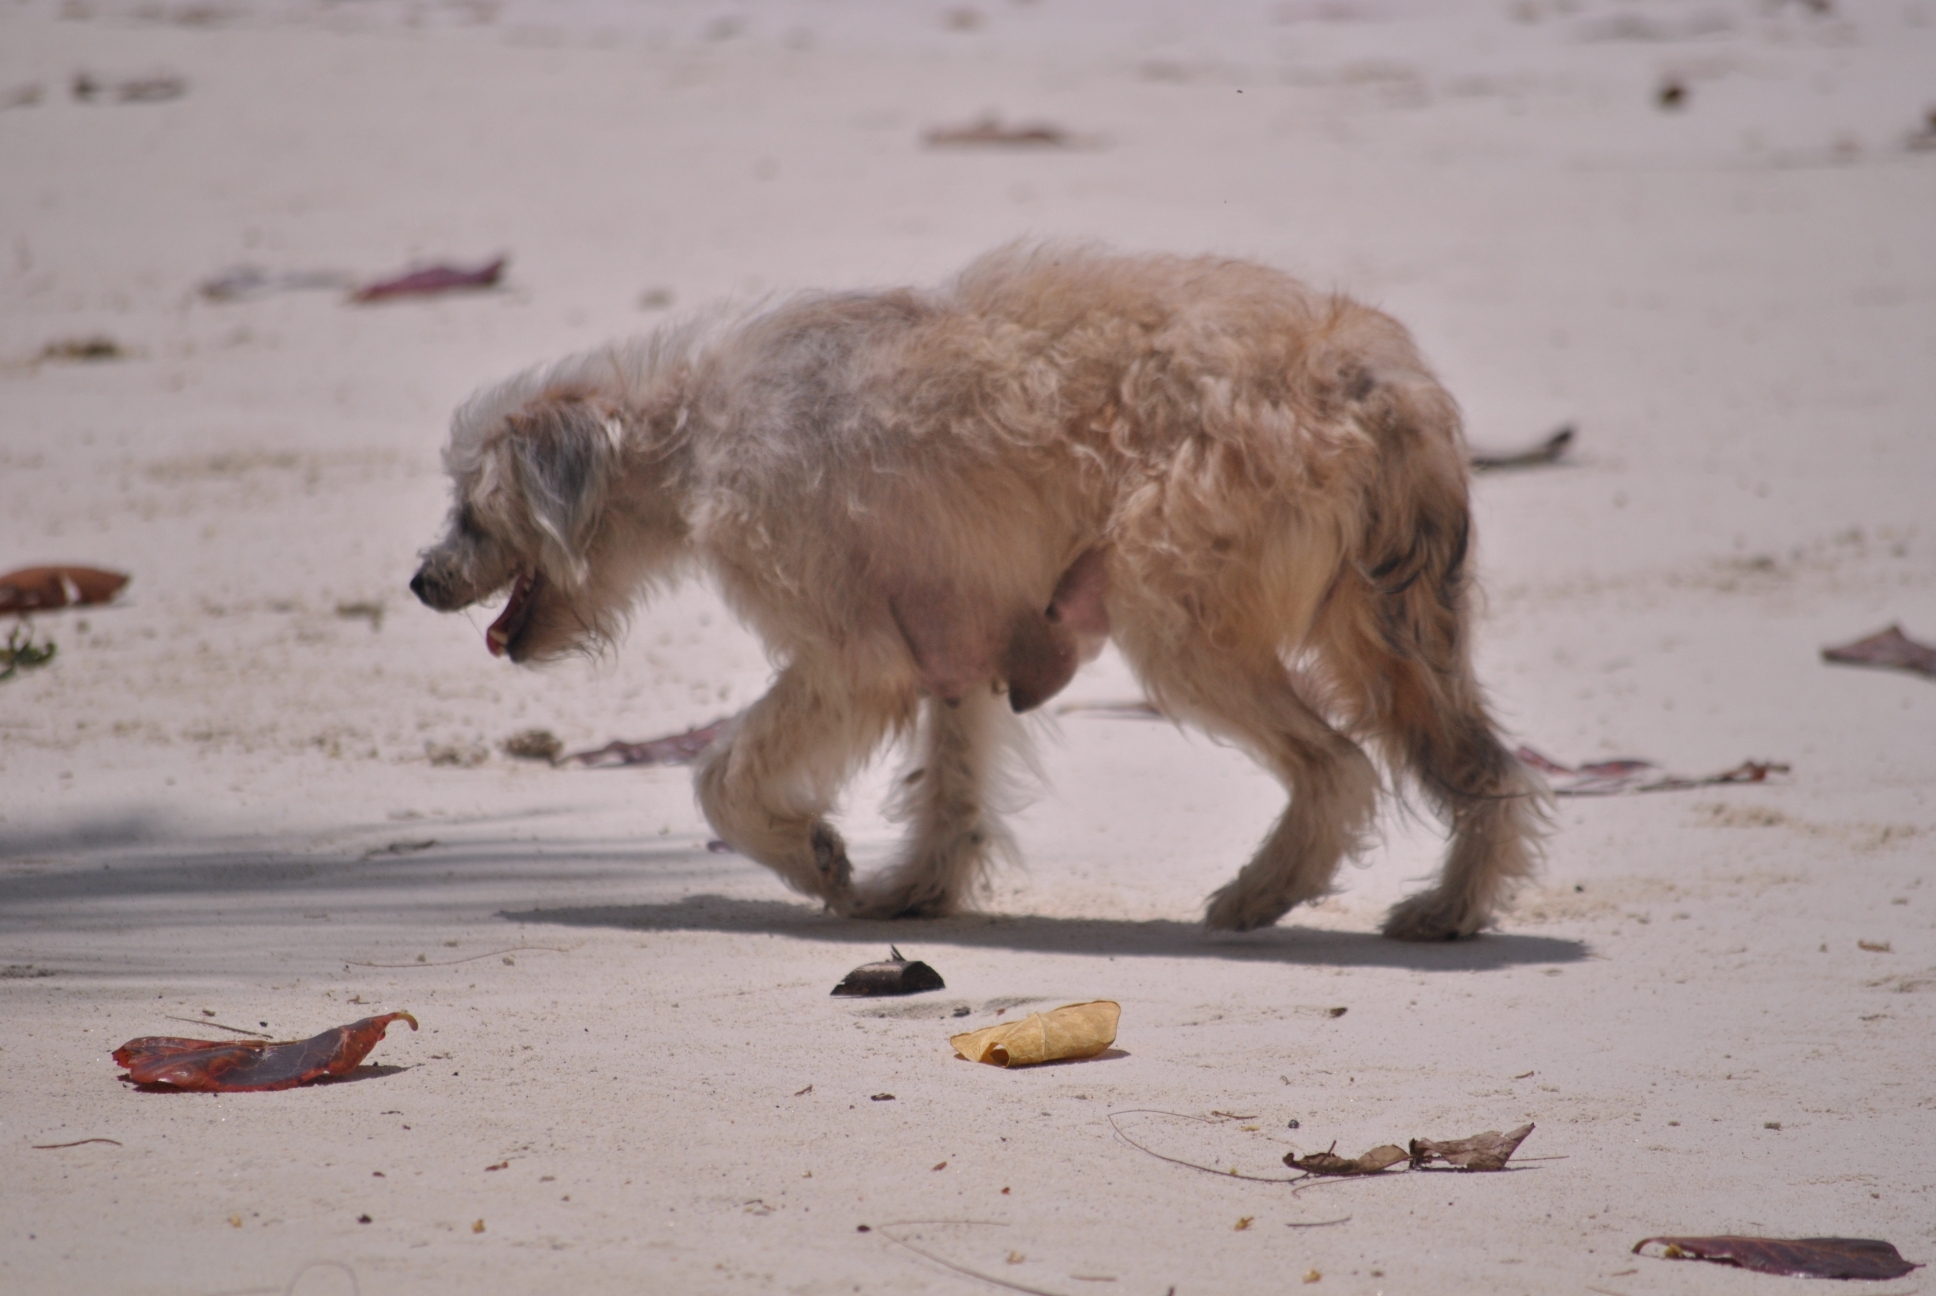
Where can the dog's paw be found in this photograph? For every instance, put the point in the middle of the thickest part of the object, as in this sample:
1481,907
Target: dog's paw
1233,909
1432,917
836,873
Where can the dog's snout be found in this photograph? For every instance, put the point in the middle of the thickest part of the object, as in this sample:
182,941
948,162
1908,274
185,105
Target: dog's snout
421,588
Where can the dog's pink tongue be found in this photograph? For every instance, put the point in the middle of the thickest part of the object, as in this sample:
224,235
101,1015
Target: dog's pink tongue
499,635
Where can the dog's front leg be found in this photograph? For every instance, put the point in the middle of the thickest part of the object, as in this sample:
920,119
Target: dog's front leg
768,783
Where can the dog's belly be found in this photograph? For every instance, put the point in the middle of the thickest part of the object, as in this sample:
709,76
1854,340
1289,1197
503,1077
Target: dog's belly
960,643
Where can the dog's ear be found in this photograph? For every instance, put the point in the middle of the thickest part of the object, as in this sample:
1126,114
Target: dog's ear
564,453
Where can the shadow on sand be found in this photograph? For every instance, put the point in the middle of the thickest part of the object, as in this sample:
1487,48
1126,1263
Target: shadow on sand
1156,938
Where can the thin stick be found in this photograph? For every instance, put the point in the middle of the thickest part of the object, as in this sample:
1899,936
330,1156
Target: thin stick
1221,1174
514,949
49,1147
945,1263
203,1021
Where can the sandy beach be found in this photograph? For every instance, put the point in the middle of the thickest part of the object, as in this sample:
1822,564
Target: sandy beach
264,790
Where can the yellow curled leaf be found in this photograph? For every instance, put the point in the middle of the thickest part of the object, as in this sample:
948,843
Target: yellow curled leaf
1072,1031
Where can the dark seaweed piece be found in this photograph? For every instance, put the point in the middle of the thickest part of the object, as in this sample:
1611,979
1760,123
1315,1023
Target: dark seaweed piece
1791,1257
1548,451
19,653
895,976
244,1066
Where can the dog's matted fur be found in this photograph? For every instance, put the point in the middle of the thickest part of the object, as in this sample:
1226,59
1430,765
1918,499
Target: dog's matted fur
933,505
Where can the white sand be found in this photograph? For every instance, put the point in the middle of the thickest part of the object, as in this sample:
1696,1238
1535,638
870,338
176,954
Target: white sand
198,799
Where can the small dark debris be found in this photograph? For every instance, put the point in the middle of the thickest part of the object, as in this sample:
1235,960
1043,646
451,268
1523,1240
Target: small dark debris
1336,1012
98,347
534,744
894,976
989,132
364,610
1293,1123
1672,95
882,1097
363,1219
147,89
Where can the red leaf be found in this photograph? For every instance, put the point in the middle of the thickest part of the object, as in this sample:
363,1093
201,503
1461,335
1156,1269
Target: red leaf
241,1066
1891,647
431,280
1791,1257
32,588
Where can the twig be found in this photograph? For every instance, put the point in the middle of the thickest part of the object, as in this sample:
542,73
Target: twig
203,1021
1221,1174
945,1263
472,958
49,1147
356,1288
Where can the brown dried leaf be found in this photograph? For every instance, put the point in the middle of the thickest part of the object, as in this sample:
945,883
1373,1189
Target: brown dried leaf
1610,778
1791,1257
1488,1151
1328,1162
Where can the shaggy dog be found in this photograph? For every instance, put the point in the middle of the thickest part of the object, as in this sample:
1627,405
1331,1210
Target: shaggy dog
933,506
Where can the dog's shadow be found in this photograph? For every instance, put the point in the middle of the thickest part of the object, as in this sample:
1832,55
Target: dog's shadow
1158,938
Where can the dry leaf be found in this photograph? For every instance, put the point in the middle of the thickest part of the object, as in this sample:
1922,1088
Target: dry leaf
1612,777
1328,1162
432,280
1488,1151
1071,1031
243,1066
1791,1257
33,589
673,749
1890,648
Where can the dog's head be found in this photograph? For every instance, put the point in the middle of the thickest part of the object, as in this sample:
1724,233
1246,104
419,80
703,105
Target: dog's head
532,469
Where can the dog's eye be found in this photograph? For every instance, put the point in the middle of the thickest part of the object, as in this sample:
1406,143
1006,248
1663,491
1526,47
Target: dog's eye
467,524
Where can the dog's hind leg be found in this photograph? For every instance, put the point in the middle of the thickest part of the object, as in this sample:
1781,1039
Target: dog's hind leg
954,831
767,786
1397,645
1254,701
1431,722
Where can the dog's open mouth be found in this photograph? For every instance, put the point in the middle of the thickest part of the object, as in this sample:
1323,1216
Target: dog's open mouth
517,610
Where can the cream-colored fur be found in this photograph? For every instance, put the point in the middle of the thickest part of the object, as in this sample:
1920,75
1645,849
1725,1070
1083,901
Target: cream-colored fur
933,505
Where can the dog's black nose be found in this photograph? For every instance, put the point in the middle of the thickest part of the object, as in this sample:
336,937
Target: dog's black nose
417,588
